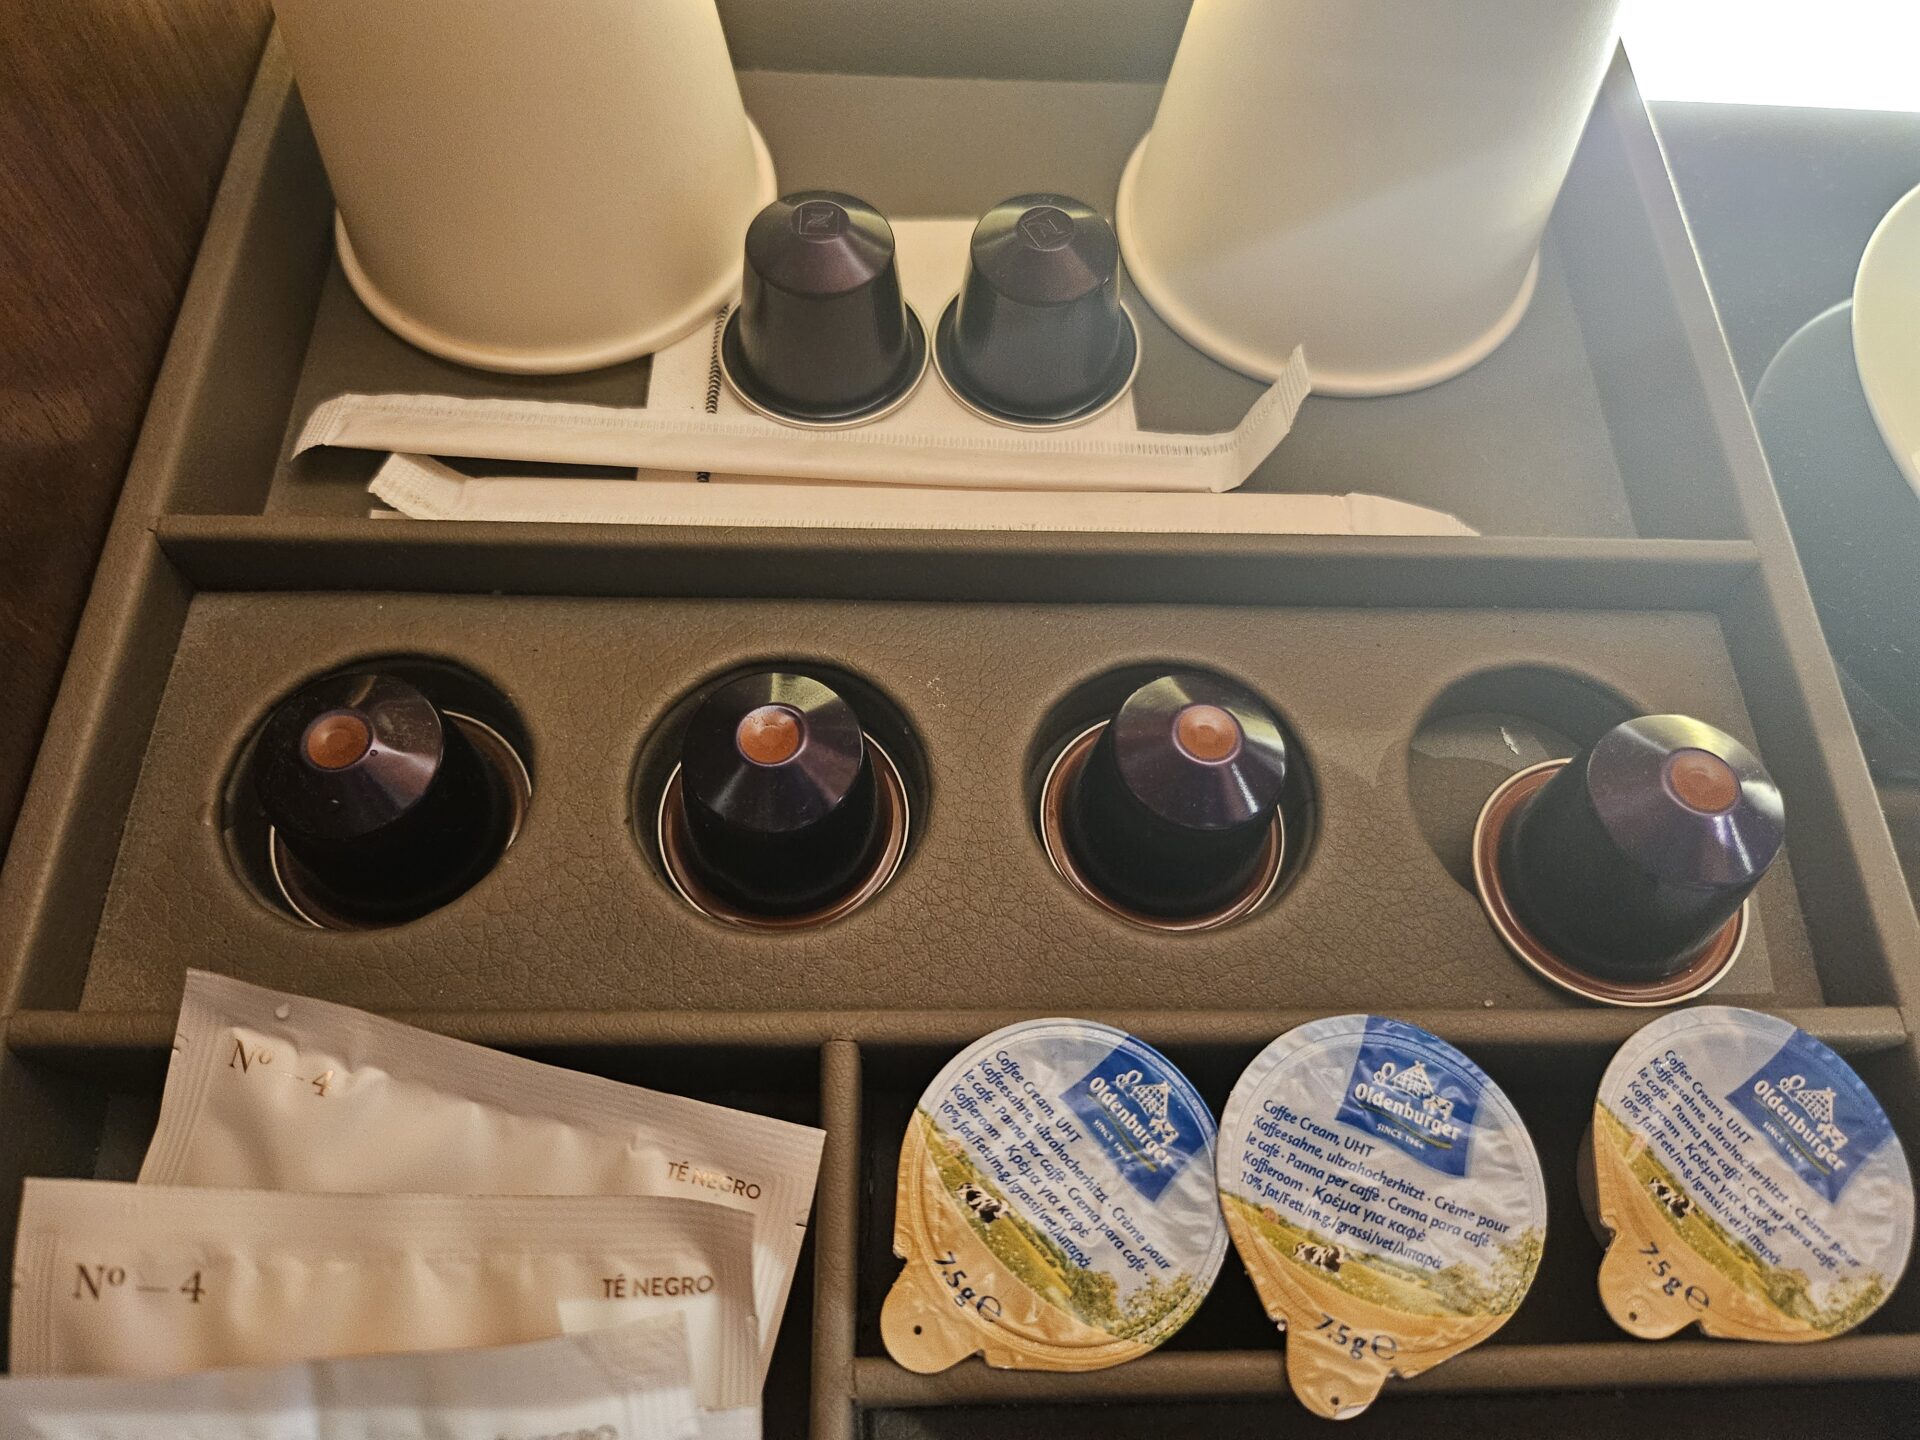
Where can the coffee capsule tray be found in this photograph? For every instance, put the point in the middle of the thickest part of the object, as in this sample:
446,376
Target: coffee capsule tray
1632,560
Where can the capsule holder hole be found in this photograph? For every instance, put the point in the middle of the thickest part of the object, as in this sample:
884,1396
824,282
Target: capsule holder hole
1488,727
658,813
1065,740
260,858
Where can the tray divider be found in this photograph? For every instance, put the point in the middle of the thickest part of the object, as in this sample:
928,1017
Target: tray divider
300,552
67,838
91,1038
836,1238
1224,1375
1852,891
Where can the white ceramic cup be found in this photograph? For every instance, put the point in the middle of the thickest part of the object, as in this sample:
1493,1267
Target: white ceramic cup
526,185
1368,178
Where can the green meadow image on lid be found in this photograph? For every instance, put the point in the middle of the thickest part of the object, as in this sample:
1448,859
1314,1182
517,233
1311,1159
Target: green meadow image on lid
1750,1180
1055,1204
1385,1198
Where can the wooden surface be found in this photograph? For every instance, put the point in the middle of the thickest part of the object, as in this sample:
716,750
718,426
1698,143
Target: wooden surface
115,117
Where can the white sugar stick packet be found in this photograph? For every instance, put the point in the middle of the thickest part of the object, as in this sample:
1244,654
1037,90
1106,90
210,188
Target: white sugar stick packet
631,1382
116,1279
425,489
272,1091
993,459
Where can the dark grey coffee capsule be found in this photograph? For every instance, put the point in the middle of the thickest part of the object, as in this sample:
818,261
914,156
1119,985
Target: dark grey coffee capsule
1172,813
1037,335
783,812
1633,859
822,335
382,805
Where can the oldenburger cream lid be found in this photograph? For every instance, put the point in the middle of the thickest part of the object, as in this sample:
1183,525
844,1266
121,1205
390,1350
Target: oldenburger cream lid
1055,1204
1385,1198
1750,1180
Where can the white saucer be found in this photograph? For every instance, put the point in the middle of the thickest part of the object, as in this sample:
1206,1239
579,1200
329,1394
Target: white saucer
1886,332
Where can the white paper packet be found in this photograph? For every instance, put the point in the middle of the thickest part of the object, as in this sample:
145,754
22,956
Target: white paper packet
631,1382
993,459
116,1279
421,488
586,1317
272,1091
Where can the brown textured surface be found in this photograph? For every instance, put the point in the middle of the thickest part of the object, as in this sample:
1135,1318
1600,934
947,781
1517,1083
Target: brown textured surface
575,915
115,116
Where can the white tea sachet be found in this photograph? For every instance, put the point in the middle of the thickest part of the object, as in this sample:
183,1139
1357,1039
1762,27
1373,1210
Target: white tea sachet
276,1092
115,1279
631,1382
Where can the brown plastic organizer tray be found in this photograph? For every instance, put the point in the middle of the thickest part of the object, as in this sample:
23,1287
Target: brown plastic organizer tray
1633,559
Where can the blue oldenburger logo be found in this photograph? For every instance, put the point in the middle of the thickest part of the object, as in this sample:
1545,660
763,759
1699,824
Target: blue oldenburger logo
1815,1111
1405,1093
1142,1117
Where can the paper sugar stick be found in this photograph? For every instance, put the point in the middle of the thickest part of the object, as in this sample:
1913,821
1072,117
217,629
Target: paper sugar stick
424,489
993,459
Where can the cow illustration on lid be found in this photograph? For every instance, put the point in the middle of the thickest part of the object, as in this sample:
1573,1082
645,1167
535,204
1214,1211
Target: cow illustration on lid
1055,1204
1385,1199
1787,1213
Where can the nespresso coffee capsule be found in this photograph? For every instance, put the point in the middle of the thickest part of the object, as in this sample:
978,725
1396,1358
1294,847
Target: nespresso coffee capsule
383,806
782,810
1386,1200
1748,1180
1169,813
822,335
1037,335
1622,874
1055,1204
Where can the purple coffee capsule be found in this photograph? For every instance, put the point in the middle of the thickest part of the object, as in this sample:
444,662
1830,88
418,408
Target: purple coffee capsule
822,335
1632,861
382,806
1172,815
1037,335
783,808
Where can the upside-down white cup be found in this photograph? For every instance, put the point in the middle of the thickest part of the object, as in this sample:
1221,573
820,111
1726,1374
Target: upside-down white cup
527,186
1368,178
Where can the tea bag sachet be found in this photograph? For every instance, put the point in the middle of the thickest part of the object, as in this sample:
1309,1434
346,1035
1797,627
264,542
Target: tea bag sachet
1749,1181
631,1382
275,1092
1055,1204
1385,1198
116,1279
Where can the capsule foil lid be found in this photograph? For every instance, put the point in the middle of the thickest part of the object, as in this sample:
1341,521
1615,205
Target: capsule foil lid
1385,1198
1750,1181
1055,1204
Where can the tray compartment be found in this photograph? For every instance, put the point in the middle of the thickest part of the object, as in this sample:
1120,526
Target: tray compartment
79,1093
88,1112
1230,1348
1868,1412
1589,422
976,911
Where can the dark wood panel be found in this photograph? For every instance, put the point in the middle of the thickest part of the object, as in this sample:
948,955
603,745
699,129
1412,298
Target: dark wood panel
115,117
